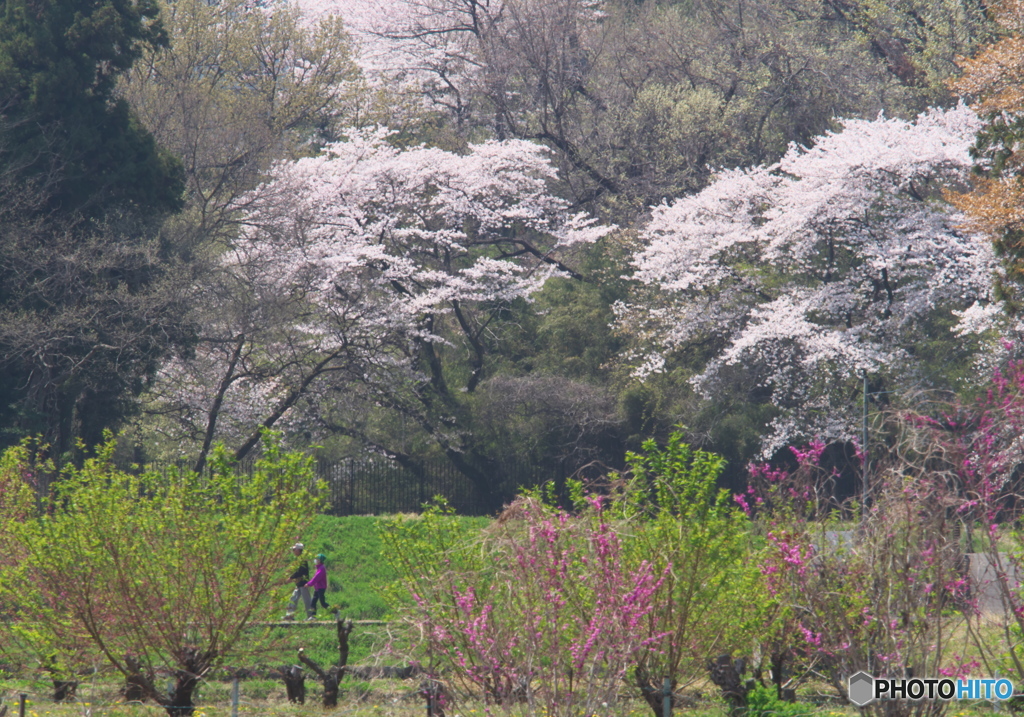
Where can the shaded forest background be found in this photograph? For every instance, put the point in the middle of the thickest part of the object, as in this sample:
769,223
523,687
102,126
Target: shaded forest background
134,137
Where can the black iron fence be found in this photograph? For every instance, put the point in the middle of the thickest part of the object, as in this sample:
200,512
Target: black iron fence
361,486
377,485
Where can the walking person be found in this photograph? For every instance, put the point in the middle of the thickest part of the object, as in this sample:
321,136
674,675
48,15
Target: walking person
319,585
299,578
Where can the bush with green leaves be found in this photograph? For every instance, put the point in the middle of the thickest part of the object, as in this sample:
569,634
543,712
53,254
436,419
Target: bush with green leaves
764,702
677,518
160,571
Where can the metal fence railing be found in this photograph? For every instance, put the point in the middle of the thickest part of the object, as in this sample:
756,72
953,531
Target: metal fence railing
376,485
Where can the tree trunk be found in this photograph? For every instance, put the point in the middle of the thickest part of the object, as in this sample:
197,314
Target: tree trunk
726,673
437,697
653,694
778,662
331,682
134,682
294,683
329,678
194,665
344,630
63,690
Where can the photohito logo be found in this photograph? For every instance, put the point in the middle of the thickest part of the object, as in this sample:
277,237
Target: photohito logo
864,689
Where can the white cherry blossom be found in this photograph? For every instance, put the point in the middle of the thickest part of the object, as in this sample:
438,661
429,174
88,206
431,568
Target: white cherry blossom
345,262
819,267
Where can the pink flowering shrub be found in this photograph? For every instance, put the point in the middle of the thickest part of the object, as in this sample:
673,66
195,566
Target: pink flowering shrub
980,454
878,596
542,609
563,610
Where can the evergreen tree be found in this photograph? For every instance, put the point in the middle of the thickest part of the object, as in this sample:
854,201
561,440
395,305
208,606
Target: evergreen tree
88,300
59,61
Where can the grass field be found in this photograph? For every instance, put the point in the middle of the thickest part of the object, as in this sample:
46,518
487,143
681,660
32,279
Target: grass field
355,566
378,698
382,702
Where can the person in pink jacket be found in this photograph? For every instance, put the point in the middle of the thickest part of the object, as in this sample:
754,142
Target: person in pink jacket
319,585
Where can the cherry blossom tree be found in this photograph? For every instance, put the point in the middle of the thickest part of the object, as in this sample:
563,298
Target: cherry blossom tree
363,275
638,99
808,272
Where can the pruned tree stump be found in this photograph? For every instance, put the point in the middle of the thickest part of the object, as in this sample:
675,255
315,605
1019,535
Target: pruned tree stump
64,690
134,689
344,630
329,678
294,683
727,673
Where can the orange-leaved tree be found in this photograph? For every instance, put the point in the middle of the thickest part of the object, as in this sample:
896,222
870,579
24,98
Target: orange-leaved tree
993,81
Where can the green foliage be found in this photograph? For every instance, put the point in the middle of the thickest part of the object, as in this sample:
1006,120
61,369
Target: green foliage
237,88
18,475
673,132
681,522
549,396
764,702
574,335
419,549
672,90
675,482
85,314
156,570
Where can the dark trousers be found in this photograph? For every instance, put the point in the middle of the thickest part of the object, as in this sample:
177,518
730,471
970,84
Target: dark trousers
318,594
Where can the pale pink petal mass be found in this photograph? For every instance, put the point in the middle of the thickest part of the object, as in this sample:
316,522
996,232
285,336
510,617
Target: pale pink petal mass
821,266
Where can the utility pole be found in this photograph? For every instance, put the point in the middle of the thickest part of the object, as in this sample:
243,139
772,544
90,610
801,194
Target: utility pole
864,451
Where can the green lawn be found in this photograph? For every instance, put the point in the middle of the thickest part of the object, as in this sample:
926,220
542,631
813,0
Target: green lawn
356,569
